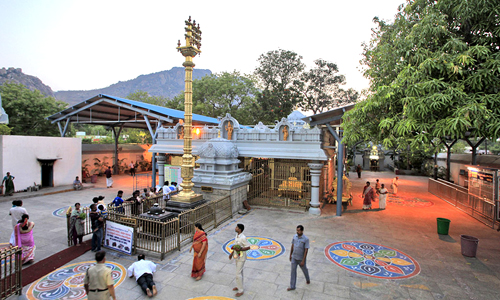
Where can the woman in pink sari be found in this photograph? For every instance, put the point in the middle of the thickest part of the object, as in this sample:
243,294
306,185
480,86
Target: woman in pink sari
368,196
200,246
23,238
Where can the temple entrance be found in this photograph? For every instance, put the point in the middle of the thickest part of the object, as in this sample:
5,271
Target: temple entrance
279,182
47,172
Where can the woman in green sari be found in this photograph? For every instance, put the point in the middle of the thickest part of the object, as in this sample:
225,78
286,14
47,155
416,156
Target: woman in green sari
9,184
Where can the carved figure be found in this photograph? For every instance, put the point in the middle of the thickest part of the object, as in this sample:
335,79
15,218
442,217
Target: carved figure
285,133
181,133
229,129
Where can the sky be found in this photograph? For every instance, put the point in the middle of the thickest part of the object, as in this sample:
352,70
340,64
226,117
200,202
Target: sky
83,45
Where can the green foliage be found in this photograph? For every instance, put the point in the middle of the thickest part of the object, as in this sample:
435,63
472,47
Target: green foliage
320,88
217,94
100,165
146,98
28,109
434,72
278,76
4,129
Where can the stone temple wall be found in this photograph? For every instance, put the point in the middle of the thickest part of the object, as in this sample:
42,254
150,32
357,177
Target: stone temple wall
238,195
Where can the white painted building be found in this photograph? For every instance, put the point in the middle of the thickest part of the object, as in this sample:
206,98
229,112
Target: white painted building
49,161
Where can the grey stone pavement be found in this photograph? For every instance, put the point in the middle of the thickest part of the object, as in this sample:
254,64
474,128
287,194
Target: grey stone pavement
445,273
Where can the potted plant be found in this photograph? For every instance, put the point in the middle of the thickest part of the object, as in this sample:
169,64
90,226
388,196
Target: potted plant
85,170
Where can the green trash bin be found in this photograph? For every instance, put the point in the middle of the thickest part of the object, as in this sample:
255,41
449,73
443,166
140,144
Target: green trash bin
443,226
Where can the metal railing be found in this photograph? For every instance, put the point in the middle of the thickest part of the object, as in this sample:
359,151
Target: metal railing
479,208
10,272
165,236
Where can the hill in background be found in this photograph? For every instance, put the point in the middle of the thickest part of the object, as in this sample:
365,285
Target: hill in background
16,75
165,83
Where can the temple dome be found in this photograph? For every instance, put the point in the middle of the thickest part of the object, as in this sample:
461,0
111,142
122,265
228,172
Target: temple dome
218,148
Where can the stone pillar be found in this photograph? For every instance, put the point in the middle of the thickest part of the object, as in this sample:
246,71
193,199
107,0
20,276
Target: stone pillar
315,177
161,159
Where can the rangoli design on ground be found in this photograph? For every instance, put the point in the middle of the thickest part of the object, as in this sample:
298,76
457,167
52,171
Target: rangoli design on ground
61,212
67,282
372,260
261,248
211,298
407,201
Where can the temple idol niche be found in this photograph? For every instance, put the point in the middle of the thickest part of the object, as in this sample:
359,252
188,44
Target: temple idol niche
229,130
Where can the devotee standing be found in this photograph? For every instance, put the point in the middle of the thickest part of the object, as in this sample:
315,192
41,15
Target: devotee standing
9,184
118,202
23,238
200,246
17,211
358,170
298,255
97,228
98,282
76,224
132,168
383,196
368,195
395,184
109,180
240,256
143,271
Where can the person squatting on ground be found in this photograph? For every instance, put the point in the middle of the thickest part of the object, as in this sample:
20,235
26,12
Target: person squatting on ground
239,254
77,184
200,246
97,228
76,224
143,271
98,282
298,256
17,211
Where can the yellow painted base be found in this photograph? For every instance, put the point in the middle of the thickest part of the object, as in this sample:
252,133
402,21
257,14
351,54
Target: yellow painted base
191,199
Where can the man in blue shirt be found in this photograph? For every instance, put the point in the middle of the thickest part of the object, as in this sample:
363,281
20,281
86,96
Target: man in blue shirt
118,201
298,255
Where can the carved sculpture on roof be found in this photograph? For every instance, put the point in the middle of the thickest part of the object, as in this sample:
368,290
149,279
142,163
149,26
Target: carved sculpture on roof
229,130
285,133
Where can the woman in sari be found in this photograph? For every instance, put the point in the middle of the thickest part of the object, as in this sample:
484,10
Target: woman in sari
9,184
23,238
383,197
200,246
76,225
368,196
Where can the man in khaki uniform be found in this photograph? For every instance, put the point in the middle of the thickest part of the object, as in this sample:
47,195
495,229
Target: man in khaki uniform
98,282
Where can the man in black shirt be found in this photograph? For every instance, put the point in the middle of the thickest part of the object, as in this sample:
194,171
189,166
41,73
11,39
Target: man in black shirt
97,228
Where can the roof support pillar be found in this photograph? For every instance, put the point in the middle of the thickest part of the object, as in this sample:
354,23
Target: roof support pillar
116,167
153,156
340,168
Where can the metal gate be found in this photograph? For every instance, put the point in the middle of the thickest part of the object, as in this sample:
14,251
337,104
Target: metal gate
279,182
144,180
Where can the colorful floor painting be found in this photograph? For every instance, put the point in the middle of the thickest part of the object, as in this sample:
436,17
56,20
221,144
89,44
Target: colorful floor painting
407,201
61,212
372,260
211,298
261,248
67,282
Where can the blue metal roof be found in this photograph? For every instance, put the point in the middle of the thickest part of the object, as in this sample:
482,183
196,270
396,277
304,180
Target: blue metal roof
177,114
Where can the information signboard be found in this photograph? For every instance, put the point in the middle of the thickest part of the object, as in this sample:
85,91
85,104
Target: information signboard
119,237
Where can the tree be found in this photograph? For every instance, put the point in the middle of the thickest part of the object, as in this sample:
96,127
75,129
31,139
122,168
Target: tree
435,73
320,88
28,109
217,94
278,76
143,96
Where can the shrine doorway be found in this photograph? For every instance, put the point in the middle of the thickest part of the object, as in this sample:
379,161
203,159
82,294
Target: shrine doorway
279,182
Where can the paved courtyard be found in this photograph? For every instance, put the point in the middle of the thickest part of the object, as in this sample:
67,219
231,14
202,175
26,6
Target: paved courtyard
356,256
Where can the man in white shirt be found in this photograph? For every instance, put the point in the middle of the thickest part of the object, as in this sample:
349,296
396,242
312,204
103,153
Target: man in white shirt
17,211
143,271
240,257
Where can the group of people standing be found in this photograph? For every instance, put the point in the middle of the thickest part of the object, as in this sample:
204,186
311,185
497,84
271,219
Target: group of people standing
370,195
